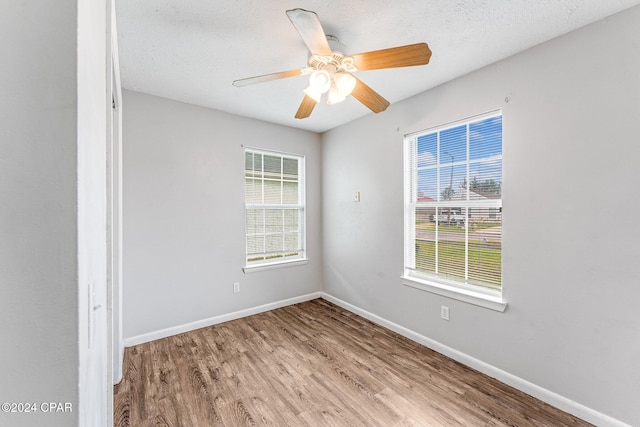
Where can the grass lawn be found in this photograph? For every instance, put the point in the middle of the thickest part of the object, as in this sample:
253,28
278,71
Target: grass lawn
474,226
485,263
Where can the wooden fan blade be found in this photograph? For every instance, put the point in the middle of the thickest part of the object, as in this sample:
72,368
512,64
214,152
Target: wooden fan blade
306,107
401,56
310,29
369,97
267,77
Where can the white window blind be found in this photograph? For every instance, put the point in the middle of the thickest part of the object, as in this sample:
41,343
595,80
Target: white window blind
453,203
274,207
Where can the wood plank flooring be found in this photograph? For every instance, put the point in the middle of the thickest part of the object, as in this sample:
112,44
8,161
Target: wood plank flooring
312,364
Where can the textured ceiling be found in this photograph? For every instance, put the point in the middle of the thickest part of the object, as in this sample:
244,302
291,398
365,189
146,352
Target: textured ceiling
191,50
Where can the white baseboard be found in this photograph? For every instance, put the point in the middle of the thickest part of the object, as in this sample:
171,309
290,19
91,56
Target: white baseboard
175,330
553,399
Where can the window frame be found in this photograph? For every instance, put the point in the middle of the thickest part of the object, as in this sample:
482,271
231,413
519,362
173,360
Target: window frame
277,262
462,290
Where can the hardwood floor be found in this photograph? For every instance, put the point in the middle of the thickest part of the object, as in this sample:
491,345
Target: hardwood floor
312,364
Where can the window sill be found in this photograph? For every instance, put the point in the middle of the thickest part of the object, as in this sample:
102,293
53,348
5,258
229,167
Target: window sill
274,265
487,299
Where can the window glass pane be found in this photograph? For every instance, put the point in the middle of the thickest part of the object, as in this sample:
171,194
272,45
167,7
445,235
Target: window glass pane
291,220
485,248
253,191
255,245
453,145
253,162
272,191
290,169
290,195
291,242
485,138
254,221
426,240
273,221
452,181
485,179
427,150
274,243
427,185
451,258
451,242
248,164
273,167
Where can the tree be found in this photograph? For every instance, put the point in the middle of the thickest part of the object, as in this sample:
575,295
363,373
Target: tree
448,193
490,186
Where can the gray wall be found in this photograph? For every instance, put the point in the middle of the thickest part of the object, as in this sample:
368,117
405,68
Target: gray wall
52,210
38,218
184,214
570,257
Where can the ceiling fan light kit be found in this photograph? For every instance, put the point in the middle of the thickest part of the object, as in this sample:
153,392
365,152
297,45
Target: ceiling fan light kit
331,74
330,71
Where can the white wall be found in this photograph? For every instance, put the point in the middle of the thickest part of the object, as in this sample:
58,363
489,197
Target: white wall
571,170
184,215
51,214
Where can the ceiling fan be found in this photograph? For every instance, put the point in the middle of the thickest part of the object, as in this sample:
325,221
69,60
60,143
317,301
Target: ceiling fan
332,72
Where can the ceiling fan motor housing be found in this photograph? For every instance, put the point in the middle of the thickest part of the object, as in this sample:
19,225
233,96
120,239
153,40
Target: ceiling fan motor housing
335,44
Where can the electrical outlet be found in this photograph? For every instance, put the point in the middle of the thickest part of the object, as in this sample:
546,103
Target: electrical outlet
236,287
356,196
444,312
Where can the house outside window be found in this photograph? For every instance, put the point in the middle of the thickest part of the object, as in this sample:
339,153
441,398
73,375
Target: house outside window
274,208
453,207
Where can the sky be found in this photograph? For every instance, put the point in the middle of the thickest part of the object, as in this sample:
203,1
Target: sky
483,156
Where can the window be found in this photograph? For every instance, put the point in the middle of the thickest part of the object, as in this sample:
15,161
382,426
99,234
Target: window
274,208
453,208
